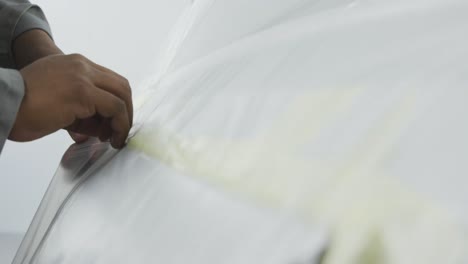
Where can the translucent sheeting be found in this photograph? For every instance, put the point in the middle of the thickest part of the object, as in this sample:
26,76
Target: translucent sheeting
9,243
283,132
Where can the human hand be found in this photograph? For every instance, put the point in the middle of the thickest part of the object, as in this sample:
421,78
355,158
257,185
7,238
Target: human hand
33,45
73,93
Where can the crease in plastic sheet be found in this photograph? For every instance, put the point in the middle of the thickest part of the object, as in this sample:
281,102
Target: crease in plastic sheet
81,161
288,132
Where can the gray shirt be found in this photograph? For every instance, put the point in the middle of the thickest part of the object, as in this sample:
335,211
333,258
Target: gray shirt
16,17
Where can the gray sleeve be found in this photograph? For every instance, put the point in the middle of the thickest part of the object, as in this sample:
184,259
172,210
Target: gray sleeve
17,17
11,95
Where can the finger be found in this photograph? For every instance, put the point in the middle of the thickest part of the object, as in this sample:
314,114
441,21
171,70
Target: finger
107,105
105,130
117,86
87,127
114,83
95,126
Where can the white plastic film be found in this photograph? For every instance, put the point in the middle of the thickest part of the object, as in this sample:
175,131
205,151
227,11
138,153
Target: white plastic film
298,131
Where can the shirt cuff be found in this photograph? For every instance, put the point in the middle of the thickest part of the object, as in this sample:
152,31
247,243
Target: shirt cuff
18,18
11,95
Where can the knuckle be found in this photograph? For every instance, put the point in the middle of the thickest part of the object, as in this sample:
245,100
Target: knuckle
87,109
126,83
123,87
126,88
120,106
77,56
79,63
79,67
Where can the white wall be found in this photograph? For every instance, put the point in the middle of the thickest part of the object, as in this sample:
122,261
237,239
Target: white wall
122,35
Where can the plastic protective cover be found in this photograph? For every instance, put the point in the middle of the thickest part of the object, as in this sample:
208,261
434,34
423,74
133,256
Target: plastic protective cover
298,131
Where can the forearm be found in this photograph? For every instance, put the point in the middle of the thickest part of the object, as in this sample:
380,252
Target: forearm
31,46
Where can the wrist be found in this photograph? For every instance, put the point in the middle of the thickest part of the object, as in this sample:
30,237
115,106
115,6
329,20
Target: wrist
31,46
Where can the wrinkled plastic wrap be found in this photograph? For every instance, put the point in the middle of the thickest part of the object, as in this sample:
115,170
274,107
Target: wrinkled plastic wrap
297,131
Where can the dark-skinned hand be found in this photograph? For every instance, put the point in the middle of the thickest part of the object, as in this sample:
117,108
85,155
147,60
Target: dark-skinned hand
68,92
71,92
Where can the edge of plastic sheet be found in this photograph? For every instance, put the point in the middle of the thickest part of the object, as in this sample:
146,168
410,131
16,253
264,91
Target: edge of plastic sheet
77,164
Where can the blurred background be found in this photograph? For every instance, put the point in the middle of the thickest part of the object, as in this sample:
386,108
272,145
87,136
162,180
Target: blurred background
121,36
